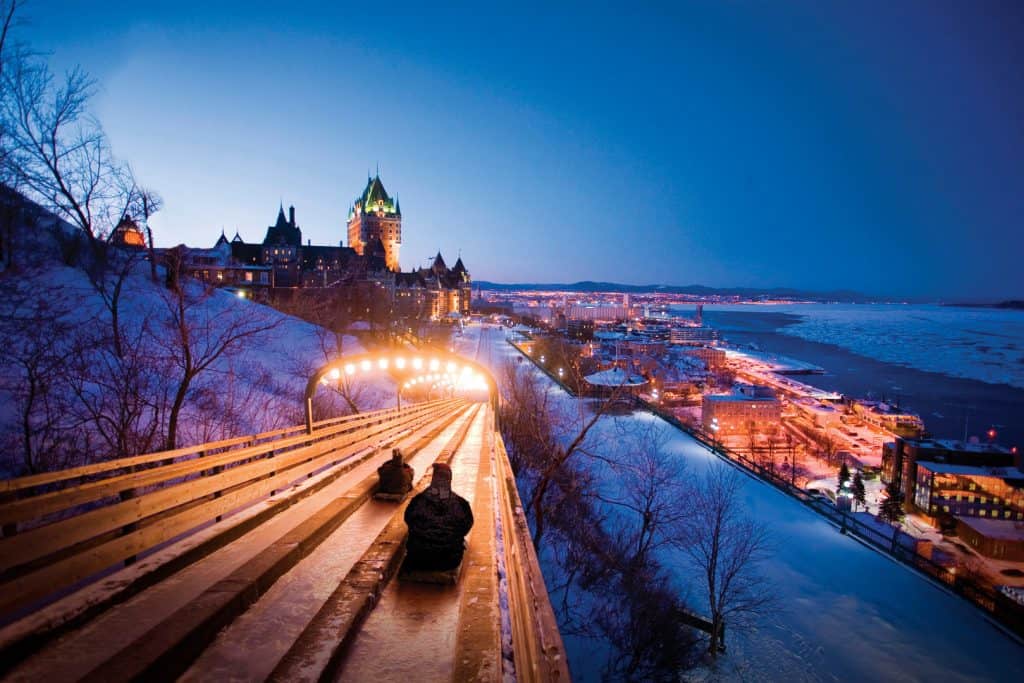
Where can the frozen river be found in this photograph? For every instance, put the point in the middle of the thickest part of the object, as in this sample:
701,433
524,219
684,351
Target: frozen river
847,612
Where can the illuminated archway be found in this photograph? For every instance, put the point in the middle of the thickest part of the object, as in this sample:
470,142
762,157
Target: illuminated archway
411,367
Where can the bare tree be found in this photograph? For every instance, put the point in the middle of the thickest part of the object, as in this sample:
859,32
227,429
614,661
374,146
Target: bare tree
538,427
150,202
194,337
33,358
651,484
56,153
121,388
726,547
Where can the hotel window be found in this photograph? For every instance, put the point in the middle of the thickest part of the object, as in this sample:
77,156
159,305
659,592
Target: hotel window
220,275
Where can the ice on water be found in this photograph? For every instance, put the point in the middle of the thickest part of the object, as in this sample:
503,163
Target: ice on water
983,344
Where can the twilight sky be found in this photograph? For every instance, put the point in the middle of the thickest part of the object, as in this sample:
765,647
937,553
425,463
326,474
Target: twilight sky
875,146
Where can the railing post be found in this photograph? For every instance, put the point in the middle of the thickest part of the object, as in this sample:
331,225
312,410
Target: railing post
128,494
309,415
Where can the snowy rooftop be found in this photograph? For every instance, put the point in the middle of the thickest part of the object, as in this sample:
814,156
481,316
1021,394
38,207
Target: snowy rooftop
1010,473
741,397
956,445
1003,529
615,377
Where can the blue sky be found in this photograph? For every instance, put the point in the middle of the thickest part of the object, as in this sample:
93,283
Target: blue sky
855,145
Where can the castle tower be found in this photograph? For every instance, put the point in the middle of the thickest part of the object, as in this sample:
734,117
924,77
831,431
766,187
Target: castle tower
375,215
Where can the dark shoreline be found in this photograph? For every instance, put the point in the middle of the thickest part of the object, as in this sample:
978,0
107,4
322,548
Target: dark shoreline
942,402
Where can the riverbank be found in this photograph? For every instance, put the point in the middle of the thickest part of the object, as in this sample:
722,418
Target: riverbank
944,403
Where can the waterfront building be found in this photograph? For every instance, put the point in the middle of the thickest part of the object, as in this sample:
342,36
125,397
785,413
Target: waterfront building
712,357
748,406
975,488
942,489
598,313
998,539
693,335
888,418
900,457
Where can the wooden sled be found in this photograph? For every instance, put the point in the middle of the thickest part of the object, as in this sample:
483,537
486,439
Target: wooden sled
447,577
390,497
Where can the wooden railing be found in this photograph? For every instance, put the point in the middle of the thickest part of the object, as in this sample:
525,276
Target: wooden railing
539,654
64,527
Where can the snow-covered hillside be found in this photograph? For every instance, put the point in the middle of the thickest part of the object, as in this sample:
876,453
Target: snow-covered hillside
99,363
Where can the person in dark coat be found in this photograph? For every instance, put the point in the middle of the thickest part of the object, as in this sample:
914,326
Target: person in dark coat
438,521
395,475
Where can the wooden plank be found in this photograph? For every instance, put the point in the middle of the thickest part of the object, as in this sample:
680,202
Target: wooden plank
28,588
20,640
478,638
39,542
33,480
539,653
38,506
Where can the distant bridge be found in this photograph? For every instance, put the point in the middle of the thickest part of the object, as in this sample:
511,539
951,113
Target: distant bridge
266,557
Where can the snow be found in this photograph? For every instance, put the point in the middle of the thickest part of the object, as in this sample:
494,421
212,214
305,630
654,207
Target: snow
848,612
615,377
985,344
257,386
780,364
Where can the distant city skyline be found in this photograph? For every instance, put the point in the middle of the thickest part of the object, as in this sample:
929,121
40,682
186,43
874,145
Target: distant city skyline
852,146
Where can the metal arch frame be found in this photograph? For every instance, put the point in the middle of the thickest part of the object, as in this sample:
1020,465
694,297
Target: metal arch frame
403,361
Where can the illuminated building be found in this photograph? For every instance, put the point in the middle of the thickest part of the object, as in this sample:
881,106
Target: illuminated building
693,335
436,292
376,216
369,264
728,414
127,234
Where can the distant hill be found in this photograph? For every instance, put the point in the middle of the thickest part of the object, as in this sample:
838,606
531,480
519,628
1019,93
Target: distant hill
693,290
1013,304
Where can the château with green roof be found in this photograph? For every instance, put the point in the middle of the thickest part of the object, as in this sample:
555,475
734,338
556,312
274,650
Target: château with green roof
374,215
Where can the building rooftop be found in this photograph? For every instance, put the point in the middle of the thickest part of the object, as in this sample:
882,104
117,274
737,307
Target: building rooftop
1011,473
958,445
741,397
1003,529
615,377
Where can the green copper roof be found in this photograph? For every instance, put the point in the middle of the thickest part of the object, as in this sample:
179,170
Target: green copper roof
375,197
